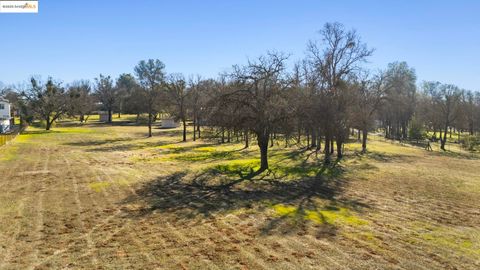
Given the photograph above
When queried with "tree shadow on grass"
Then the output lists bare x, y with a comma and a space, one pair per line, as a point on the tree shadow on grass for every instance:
118, 123
132, 143
99, 142
109, 145
125, 146
294, 203
39, 132
459, 155
384, 157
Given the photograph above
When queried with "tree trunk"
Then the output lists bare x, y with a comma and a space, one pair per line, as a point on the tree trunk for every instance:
364, 140
299, 135
339, 149
319, 141
327, 150
149, 124
314, 139
109, 116
444, 140
194, 130
397, 132
263, 145
198, 128
48, 124
246, 139
308, 139
184, 129
223, 135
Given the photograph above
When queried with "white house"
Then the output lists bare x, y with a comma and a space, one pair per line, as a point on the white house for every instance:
169, 123
5, 115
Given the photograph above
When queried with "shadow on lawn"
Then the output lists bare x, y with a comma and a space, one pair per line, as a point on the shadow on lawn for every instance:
99, 142
133, 143
39, 132
118, 144
118, 123
384, 157
197, 197
459, 155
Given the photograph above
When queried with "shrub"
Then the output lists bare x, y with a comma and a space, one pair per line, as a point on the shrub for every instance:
416, 131
471, 142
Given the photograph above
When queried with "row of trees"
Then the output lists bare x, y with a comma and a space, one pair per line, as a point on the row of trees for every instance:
318, 104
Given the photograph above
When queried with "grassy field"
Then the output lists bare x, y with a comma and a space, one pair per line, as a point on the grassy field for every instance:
107, 197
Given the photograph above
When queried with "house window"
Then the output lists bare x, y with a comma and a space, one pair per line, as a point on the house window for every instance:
2, 106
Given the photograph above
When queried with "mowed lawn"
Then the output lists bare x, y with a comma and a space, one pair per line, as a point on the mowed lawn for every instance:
107, 197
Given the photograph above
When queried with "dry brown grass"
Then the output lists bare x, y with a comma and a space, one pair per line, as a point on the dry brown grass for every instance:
106, 197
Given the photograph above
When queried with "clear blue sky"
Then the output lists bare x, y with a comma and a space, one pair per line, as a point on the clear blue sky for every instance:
79, 39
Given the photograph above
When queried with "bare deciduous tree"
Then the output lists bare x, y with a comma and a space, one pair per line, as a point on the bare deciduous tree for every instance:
257, 99
151, 75
80, 100
48, 100
334, 58
446, 100
370, 94
177, 90
106, 94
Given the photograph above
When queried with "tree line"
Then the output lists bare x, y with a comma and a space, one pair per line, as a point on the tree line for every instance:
319, 102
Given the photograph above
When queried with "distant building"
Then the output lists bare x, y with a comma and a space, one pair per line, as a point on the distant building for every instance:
169, 123
103, 116
5, 115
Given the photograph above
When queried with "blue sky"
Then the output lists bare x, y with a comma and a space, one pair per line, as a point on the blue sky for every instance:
79, 39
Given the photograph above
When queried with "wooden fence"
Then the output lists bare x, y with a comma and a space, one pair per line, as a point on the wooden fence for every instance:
5, 138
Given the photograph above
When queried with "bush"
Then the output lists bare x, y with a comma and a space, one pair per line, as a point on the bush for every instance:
471, 142
416, 131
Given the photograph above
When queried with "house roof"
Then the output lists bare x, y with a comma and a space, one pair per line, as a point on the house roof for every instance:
2, 99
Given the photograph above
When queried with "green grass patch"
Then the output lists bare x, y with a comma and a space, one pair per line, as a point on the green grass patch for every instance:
328, 215
234, 167
462, 241
171, 146
99, 186
75, 130
8, 153
207, 149
205, 156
